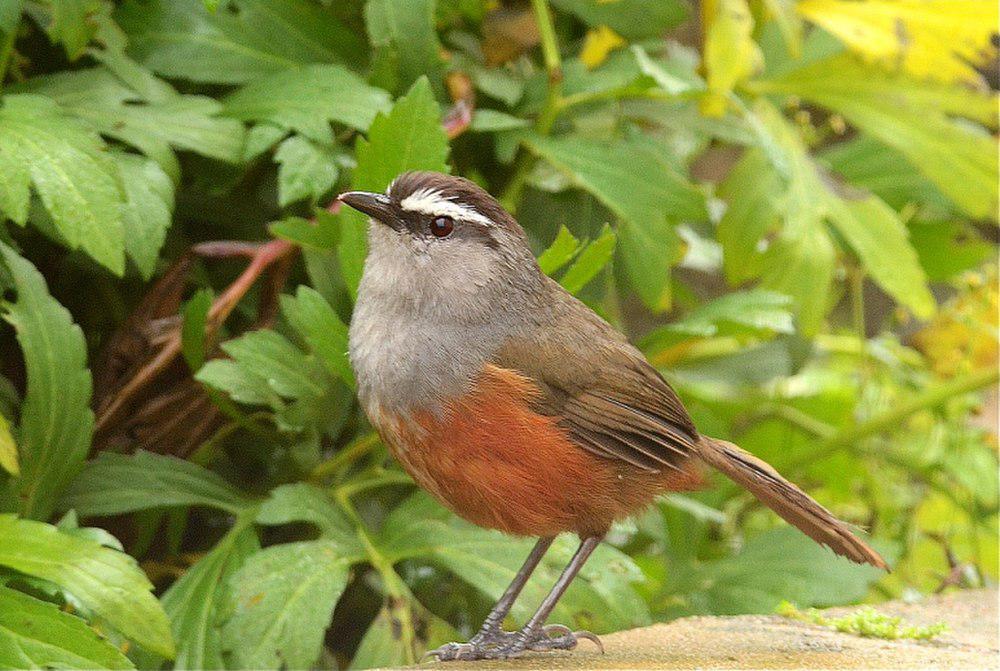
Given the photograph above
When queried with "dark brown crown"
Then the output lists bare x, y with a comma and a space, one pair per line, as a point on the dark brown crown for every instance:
456, 189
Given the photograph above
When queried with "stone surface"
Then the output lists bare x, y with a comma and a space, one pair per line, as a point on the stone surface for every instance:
772, 642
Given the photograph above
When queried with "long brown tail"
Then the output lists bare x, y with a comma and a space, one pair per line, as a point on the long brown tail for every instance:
784, 498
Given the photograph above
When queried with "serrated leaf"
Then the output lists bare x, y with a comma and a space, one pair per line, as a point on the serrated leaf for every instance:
8, 449
601, 599
76, 181
302, 502
133, 106
324, 332
306, 170
279, 362
751, 311
195, 602
560, 252
240, 383
148, 209
881, 241
640, 188
910, 117
35, 634
249, 38
591, 260
107, 582
408, 29
113, 484
409, 137
55, 420
283, 598
942, 39
307, 99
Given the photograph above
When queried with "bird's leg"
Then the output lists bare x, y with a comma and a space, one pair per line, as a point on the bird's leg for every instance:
491, 638
535, 635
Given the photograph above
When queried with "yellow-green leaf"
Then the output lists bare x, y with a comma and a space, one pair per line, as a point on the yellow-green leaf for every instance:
942, 39
731, 55
8, 449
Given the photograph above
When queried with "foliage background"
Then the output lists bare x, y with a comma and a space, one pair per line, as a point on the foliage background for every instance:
790, 206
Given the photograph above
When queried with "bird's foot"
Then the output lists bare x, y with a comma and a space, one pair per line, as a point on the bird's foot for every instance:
549, 637
497, 644
487, 644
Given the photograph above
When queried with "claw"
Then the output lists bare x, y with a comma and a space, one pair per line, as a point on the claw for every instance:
590, 636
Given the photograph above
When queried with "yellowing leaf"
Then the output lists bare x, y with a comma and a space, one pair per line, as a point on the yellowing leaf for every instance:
942, 39
8, 449
731, 55
598, 43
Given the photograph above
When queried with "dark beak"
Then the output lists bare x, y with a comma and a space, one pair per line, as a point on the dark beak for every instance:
376, 205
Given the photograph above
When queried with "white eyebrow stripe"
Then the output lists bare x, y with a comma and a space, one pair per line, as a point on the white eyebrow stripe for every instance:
432, 203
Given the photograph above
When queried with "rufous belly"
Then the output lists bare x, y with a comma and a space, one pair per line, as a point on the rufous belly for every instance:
494, 461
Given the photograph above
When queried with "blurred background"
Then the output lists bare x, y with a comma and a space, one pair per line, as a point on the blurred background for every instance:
790, 207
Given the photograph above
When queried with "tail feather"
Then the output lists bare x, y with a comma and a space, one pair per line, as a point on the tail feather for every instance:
784, 498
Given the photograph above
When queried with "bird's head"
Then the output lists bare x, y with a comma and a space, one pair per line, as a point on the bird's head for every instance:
442, 237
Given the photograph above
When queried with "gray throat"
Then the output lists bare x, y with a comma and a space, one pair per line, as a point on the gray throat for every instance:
424, 325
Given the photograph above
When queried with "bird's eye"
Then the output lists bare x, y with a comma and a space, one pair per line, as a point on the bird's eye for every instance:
441, 227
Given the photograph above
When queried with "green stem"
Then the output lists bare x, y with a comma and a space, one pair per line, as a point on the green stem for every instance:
383, 479
793, 416
930, 398
346, 456
553, 104
398, 593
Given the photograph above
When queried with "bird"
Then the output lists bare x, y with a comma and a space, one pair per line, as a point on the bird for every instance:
515, 405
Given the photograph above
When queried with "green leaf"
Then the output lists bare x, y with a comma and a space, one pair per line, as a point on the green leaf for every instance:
133, 106
239, 382
283, 600
107, 582
560, 252
307, 99
56, 421
381, 646
407, 28
780, 564
753, 311
35, 634
10, 15
278, 361
193, 328
632, 19
8, 449
306, 170
195, 603
70, 25
148, 209
591, 260
113, 484
646, 253
881, 241
324, 332
322, 234
248, 38
911, 117
752, 191
302, 502
601, 599
487, 120
640, 188
77, 182
409, 137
